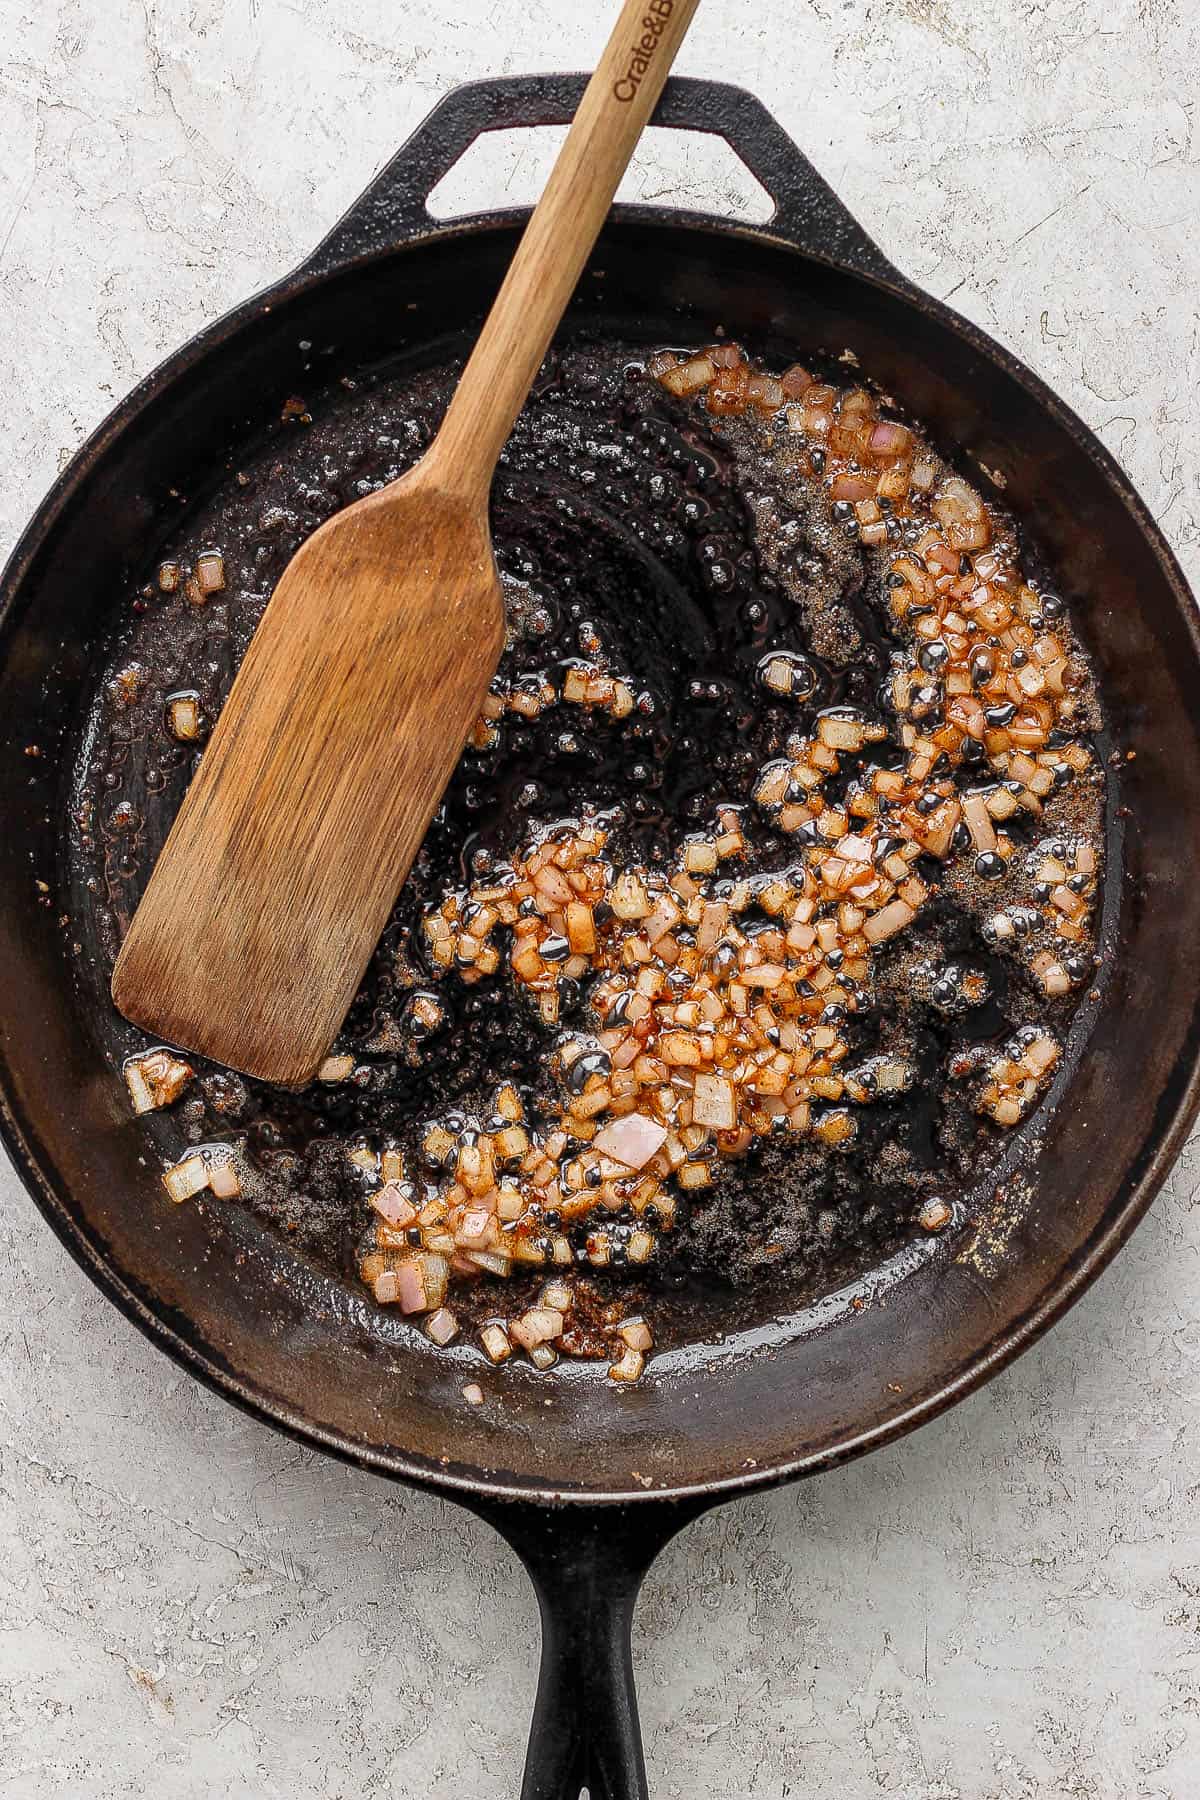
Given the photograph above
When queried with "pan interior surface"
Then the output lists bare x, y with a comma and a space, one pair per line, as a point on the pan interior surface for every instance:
275, 1329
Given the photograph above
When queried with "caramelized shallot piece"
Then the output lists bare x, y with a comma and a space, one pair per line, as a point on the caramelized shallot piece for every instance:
156, 1079
224, 1180
632, 1140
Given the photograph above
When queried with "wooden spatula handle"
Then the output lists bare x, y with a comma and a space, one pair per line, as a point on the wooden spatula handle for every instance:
559, 238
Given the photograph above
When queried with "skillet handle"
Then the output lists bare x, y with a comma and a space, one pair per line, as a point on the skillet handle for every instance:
392, 211
587, 1567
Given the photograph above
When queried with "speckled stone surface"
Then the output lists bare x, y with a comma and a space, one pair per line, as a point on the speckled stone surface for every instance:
1004, 1607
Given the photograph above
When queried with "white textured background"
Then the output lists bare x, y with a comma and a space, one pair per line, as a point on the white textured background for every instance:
1005, 1607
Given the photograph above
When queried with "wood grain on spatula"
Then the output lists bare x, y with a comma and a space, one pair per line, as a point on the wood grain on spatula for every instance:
368, 670
329, 760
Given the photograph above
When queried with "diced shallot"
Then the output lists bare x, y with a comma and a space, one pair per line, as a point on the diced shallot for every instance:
636, 1334
961, 514
417, 1284
538, 1326
888, 921
495, 1341
714, 1103
889, 439
184, 717
630, 1366
224, 1180
978, 821
632, 1140
934, 1215
156, 1079
851, 487
210, 572
336, 1068
187, 1178
442, 1326
394, 1205
689, 377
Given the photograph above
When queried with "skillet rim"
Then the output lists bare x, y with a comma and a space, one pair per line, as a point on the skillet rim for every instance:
480, 1488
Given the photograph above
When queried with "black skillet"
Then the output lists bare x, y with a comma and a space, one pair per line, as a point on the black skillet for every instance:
589, 1489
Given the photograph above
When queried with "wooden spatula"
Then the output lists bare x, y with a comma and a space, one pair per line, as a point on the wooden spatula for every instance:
368, 670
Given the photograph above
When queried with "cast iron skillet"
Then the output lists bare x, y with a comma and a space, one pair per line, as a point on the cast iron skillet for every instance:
589, 1489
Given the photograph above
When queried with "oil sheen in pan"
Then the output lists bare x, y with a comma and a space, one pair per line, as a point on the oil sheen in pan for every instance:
629, 525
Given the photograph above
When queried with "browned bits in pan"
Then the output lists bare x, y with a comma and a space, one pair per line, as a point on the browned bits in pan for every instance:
866, 848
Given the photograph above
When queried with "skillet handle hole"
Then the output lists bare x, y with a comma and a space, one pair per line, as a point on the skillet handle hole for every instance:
689, 170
